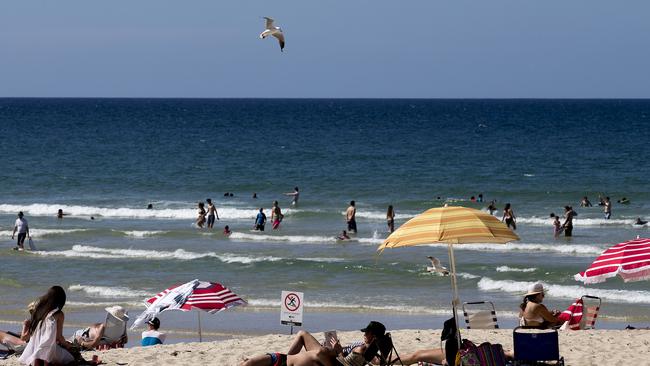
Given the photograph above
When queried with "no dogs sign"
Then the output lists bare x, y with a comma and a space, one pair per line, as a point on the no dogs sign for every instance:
291, 305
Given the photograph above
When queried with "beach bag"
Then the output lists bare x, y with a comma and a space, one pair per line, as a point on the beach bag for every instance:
467, 355
485, 354
490, 354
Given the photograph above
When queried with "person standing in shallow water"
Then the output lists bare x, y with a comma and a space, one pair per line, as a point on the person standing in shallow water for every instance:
200, 220
569, 214
212, 212
608, 208
23, 231
509, 217
276, 215
295, 194
350, 216
390, 218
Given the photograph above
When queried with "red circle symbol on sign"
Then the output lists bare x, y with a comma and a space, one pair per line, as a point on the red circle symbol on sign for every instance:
292, 302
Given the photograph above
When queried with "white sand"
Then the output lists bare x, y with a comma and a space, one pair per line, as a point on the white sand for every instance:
591, 347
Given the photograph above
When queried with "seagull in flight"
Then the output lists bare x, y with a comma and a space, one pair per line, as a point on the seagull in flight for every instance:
437, 267
272, 30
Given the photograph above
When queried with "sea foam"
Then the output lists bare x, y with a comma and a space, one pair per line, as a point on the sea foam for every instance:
189, 213
566, 291
109, 292
85, 251
43, 232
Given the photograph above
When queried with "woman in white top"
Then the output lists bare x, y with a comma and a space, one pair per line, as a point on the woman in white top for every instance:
46, 344
533, 313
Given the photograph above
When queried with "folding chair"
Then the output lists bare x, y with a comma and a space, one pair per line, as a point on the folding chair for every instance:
384, 350
480, 315
590, 311
115, 335
532, 345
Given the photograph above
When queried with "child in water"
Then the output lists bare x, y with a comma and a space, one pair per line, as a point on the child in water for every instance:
343, 236
557, 226
226, 231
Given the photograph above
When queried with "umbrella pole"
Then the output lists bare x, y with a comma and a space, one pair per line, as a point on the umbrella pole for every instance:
454, 286
198, 312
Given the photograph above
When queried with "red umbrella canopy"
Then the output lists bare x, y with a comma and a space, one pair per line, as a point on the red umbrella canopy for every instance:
630, 260
207, 296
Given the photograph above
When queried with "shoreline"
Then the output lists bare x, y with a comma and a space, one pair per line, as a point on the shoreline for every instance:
590, 347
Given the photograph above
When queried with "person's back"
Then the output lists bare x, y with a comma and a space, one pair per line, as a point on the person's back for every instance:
152, 336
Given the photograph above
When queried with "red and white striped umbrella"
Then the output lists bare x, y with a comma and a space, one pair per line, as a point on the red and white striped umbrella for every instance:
630, 260
207, 296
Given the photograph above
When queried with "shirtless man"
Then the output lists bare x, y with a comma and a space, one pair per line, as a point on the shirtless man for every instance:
212, 212
569, 214
295, 194
608, 208
350, 217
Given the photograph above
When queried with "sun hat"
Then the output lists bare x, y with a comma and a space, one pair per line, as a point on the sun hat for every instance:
534, 289
375, 328
118, 312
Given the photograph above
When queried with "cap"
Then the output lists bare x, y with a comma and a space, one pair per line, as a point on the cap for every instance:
155, 322
375, 328
534, 289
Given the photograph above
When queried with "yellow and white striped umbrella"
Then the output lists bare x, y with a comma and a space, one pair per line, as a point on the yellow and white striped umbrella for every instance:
451, 225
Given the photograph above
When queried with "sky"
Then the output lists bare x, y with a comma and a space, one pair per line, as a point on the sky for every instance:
334, 49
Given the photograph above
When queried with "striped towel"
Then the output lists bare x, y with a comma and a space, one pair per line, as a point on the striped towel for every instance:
572, 315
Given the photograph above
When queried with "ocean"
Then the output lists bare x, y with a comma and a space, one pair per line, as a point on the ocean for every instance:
109, 158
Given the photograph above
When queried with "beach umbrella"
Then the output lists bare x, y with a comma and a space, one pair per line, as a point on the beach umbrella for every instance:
630, 260
451, 225
198, 295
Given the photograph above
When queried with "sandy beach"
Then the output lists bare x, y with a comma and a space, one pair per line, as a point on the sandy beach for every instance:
592, 347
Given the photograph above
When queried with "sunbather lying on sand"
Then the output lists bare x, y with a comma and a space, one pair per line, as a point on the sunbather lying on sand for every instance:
15, 342
316, 354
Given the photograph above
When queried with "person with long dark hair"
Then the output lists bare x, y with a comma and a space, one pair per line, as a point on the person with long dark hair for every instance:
509, 217
46, 344
390, 218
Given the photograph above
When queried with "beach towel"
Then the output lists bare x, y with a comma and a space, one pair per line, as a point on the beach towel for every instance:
174, 299
572, 316
42, 344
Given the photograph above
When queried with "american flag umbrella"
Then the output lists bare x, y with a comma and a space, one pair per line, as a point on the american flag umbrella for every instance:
211, 297
630, 260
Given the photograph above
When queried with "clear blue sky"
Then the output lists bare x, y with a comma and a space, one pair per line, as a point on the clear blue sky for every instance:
336, 48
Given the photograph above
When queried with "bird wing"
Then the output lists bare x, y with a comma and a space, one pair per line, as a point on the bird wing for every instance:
280, 37
265, 34
269, 23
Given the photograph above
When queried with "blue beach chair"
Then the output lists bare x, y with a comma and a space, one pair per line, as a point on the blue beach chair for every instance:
534, 345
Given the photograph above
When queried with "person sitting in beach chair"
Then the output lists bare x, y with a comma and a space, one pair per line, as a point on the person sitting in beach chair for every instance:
110, 334
534, 313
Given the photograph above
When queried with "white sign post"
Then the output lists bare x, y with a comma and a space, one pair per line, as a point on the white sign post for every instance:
291, 306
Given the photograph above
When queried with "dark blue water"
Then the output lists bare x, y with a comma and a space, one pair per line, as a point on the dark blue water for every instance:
109, 158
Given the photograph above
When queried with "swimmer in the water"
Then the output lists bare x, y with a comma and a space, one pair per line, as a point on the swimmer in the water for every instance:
226, 230
623, 201
640, 222
343, 236
60, 214
150, 206
585, 202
